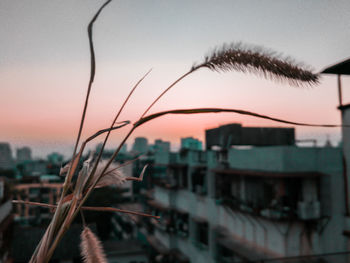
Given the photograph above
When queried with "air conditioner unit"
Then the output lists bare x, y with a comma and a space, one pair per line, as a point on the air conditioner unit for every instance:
309, 210
199, 189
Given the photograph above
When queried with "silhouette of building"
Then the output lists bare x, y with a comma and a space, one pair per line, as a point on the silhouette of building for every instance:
191, 143
6, 160
234, 134
23, 154
55, 158
33, 168
140, 145
6, 220
161, 151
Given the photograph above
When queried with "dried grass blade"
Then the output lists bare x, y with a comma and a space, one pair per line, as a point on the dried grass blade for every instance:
89, 208
140, 178
217, 110
124, 123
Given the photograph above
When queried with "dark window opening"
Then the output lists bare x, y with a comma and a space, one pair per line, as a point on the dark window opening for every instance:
202, 234
199, 185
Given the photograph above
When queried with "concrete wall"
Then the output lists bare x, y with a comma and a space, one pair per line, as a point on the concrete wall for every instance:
276, 238
286, 159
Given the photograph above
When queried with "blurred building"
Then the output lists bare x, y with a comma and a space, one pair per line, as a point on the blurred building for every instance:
43, 189
55, 158
191, 143
33, 167
248, 204
161, 151
6, 160
234, 134
23, 154
140, 145
6, 219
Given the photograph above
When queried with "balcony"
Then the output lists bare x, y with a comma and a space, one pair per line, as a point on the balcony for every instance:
175, 179
173, 221
270, 195
309, 210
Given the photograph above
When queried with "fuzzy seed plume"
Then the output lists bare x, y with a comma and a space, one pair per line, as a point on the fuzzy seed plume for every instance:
91, 248
113, 175
254, 59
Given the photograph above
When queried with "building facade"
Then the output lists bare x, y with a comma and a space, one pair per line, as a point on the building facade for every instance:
23, 154
249, 205
6, 160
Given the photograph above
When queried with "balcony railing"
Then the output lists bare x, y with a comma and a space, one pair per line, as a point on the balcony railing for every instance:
284, 212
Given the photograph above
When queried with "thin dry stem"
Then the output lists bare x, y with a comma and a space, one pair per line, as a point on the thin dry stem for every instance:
253, 59
217, 110
115, 119
87, 208
140, 178
72, 167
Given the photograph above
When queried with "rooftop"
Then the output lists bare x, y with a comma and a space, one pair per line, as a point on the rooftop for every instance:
340, 68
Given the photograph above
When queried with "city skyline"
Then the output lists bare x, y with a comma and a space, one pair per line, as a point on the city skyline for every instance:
46, 63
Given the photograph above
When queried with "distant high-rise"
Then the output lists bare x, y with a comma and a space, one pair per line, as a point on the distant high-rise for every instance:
55, 158
191, 143
6, 161
161, 151
140, 145
23, 154
124, 149
160, 145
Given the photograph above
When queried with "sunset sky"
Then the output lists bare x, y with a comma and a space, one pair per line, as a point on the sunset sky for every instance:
44, 66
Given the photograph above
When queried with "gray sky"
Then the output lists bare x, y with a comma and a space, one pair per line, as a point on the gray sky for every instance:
44, 64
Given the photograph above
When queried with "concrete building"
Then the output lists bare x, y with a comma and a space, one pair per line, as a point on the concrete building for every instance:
55, 158
23, 154
43, 190
339, 69
250, 205
140, 145
191, 144
234, 134
161, 151
6, 160
33, 167
6, 220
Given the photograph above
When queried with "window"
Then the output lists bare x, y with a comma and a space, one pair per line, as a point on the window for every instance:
182, 224
199, 185
201, 234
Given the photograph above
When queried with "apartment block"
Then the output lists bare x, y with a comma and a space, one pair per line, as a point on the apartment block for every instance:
246, 205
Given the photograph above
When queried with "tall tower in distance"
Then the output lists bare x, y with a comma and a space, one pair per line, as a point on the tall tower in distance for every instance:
140, 145
23, 154
6, 160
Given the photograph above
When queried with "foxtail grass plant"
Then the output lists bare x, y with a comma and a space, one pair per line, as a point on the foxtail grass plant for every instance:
96, 173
